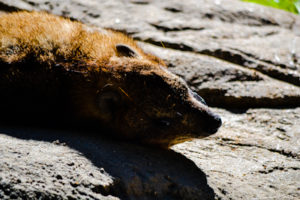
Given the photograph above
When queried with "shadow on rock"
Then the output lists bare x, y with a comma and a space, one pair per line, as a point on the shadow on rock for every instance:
138, 172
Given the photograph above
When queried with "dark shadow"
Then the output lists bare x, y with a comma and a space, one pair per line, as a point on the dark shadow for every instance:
125, 161
8, 8
237, 110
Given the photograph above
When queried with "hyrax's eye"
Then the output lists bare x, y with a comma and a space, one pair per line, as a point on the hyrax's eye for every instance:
108, 103
126, 51
162, 123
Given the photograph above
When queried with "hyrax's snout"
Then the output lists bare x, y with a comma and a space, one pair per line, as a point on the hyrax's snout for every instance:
209, 121
213, 123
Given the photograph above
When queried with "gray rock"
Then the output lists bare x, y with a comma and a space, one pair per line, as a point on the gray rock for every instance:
42, 170
242, 58
39, 164
255, 155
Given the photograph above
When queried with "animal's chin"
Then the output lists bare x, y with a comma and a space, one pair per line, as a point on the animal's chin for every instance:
188, 137
169, 141
179, 140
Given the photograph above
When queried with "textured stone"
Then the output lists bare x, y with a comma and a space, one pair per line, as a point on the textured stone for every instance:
255, 155
42, 170
53, 164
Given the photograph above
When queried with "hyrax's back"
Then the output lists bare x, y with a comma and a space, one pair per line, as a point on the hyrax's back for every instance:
34, 32
56, 70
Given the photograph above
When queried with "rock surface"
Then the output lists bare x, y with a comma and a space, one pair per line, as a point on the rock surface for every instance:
62, 165
243, 58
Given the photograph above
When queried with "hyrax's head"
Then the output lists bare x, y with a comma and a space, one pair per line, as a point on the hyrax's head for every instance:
141, 100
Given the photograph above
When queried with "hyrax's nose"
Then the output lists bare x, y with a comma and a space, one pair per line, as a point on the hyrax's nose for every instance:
213, 123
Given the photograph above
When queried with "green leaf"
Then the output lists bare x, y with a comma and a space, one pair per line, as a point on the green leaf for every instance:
288, 5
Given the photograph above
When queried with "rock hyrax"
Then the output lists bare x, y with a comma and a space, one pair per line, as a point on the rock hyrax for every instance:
56, 70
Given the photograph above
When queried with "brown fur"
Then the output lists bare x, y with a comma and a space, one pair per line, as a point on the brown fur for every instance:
55, 68
53, 37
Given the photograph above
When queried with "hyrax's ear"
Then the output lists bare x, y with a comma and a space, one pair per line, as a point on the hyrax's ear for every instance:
126, 51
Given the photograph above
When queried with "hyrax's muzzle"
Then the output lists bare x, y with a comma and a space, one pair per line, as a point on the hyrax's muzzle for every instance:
197, 119
210, 121
183, 111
